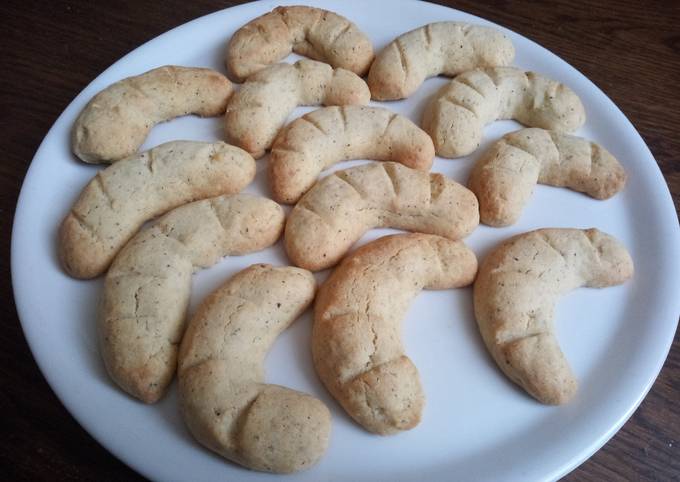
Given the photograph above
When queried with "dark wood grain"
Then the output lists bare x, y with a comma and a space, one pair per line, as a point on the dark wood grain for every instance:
51, 49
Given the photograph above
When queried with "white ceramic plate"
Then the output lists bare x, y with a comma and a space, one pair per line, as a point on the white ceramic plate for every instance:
476, 424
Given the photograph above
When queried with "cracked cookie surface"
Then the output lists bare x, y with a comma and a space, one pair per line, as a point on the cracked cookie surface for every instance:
504, 177
340, 208
147, 288
224, 399
356, 338
321, 138
440, 48
258, 110
122, 197
313, 32
515, 293
456, 115
116, 122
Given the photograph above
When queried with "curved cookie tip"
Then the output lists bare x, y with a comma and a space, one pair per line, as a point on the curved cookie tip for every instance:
284, 431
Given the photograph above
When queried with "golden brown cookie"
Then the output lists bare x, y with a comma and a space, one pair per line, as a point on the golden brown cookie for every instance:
147, 288
440, 48
356, 340
316, 141
456, 115
119, 199
504, 177
115, 123
515, 294
258, 110
223, 397
341, 207
312, 32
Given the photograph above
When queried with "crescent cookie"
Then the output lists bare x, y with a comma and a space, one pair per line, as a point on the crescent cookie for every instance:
147, 288
447, 48
456, 115
356, 340
515, 293
115, 123
260, 108
341, 207
223, 397
504, 177
319, 139
122, 197
312, 32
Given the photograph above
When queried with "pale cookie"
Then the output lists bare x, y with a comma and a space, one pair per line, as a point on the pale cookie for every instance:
515, 293
340, 208
316, 141
312, 32
456, 115
223, 397
119, 199
504, 177
260, 108
356, 339
115, 123
147, 288
440, 48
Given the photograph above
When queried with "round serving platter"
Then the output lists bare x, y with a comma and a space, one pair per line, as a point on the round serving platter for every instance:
476, 424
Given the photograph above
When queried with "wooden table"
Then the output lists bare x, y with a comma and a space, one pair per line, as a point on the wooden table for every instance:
53, 49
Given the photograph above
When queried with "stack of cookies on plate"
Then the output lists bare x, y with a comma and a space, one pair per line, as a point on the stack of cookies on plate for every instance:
192, 191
